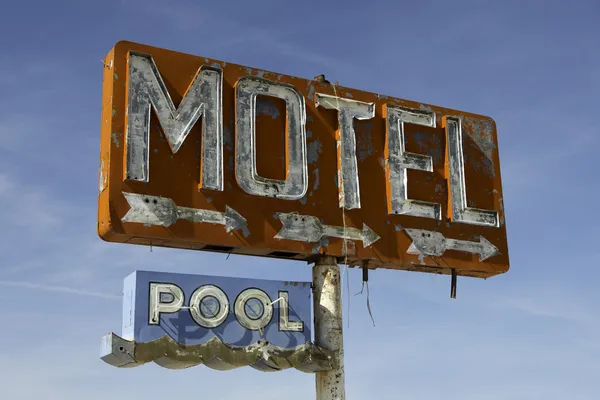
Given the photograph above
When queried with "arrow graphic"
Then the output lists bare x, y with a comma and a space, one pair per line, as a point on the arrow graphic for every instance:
162, 211
306, 228
430, 243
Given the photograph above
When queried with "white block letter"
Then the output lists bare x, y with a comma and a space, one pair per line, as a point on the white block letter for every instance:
209, 306
398, 160
295, 186
348, 110
165, 298
459, 212
284, 315
203, 98
253, 309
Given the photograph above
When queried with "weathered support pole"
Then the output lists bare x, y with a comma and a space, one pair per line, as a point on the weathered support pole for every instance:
327, 297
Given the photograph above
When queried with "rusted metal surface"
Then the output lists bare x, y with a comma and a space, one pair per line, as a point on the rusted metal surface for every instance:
214, 354
230, 152
327, 300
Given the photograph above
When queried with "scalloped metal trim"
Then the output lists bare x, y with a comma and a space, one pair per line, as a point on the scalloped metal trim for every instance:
215, 354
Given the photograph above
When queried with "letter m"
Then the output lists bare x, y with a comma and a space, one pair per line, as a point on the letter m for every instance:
147, 90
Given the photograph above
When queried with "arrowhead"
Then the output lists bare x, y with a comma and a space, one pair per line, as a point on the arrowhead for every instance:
369, 236
235, 221
426, 243
150, 210
487, 249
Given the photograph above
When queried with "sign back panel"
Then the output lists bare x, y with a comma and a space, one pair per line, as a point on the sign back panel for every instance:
202, 154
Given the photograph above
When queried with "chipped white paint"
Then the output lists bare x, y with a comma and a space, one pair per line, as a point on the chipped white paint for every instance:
398, 160
348, 110
157, 305
215, 354
327, 300
458, 190
261, 315
162, 211
202, 317
306, 228
431, 243
147, 90
102, 176
295, 186
284, 315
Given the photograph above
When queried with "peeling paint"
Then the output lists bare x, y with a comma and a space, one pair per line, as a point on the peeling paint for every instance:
102, 176
429, 144
481, 131
461, 212
310, 229
147, 91
115, 138
347, 112
424, 107
295, 186
317, 176
215, 354
431, 243
365, 144
266, 106
162, 211
398, 160
313, 150
323, 243
311, 92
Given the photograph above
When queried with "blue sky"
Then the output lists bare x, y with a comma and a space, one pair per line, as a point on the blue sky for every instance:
534, 66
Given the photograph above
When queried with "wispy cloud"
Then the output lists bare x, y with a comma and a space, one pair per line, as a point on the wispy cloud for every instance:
562, 306
28, 207
522, 168
60, 289
222, 32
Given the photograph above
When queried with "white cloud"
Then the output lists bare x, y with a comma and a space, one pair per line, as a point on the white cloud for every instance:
29, 208
61, 289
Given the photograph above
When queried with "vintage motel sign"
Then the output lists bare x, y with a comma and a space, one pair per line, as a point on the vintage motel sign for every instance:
180, 320
201, 154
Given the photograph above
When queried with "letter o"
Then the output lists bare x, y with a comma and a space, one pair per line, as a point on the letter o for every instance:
240, 309
195, 303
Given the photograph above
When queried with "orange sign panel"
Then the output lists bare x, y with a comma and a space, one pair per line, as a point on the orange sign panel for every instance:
201, 154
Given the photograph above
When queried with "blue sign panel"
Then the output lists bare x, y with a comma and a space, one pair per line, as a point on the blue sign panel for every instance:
192, 309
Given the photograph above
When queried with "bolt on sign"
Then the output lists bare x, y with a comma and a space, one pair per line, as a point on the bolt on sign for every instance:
202, 154
179, 320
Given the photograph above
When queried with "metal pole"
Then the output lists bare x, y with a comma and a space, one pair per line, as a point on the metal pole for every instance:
327, 297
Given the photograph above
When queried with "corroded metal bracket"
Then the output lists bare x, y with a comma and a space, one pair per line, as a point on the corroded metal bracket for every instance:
215, 354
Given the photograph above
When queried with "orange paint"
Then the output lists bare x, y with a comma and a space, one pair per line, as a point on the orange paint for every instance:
176, 176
